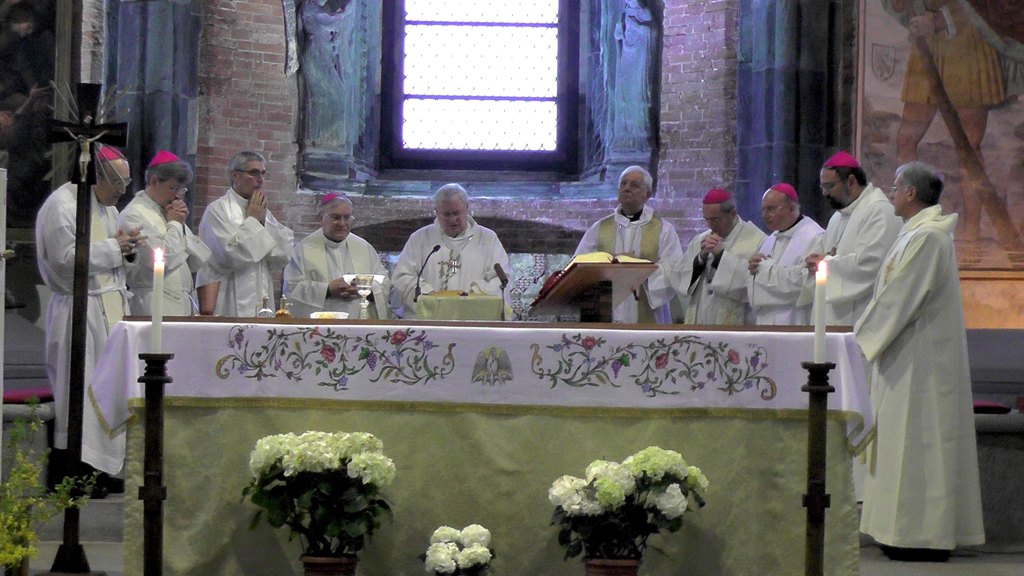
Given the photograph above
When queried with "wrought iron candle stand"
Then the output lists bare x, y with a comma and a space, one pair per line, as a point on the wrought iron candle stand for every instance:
153, 492
816, 500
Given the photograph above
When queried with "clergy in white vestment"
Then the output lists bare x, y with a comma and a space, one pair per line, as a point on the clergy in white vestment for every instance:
108, 296
778, 270
923, 498
454, 253
634, 230
313, 279
857, 237
247, 242
713, 274
160, 211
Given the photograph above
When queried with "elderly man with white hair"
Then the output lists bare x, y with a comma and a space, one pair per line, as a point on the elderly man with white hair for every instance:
452, 253
314, 277
778, 270
634, 230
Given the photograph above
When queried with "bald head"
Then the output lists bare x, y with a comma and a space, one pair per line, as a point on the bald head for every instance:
779, 211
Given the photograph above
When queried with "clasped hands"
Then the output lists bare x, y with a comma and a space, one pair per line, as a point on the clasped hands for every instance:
127, 239
711, 245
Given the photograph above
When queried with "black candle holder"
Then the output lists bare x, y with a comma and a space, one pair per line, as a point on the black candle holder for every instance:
153, 492
816, 500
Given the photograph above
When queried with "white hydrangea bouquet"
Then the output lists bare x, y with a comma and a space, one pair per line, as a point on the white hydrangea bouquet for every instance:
612, 512
463, 552
324, 486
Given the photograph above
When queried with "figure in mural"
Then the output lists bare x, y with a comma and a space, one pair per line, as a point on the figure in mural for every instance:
327, 63
973, 72
637, 38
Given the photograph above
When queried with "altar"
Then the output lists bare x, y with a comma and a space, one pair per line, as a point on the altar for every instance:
480, 419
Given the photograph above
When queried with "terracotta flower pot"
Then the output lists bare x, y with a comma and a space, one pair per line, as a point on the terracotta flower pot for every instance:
600, 567
329, 566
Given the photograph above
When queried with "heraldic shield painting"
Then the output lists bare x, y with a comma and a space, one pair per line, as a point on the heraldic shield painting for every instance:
972, 129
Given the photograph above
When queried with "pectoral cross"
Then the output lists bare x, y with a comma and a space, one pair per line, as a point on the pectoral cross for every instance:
85, 130
448, 269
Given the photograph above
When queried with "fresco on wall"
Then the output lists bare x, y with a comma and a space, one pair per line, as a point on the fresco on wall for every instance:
978, 50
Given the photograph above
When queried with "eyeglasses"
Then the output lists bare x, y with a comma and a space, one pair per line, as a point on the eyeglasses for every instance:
255, 172
828, 186
113, 177
179, 190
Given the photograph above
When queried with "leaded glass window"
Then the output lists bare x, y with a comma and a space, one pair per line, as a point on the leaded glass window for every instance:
485, 82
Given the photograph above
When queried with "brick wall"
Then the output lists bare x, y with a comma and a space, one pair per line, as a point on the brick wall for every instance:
246, 101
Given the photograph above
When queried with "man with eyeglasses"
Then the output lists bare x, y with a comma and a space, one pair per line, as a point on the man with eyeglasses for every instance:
160, 211
634, 230
313, 277
858, 235
922, 497
246, 241
109, 248
454, 253
712, 276
778, 271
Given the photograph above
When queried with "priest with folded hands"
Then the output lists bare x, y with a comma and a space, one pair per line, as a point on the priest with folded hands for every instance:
713, 273
315, 277
634, 230
452, 254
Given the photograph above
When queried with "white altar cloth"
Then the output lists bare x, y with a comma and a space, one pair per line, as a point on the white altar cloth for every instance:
573, 365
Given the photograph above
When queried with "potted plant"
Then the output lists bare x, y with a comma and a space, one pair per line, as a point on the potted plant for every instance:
25, 501
608, 516
326, 488
463, 552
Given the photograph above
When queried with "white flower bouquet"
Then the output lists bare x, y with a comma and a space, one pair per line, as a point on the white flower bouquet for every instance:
324, 486
463, 552
612, 512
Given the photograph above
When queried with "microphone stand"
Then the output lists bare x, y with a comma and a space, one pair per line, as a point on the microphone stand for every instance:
419, 275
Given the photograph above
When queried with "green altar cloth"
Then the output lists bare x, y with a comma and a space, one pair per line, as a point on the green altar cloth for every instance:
493, 465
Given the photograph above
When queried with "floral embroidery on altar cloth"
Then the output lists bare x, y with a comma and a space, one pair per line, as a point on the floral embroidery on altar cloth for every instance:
655, 367
330, 357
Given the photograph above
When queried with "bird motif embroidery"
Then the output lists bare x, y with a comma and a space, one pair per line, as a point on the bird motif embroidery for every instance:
492, 367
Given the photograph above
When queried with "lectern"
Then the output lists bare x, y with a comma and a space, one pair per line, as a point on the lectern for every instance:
592, 288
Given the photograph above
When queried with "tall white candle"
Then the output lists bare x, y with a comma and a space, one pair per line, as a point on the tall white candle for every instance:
820, 279
157, 301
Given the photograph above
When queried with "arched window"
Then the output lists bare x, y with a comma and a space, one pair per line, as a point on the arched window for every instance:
489, 85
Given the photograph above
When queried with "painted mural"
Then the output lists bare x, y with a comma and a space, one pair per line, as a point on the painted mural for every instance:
972, 129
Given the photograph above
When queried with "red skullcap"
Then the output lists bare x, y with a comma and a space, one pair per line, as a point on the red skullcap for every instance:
163, 157
108, 154
328, 198
786, 189
717, 196
842, 159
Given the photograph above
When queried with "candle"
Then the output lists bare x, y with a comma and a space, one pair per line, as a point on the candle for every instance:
820, 279
157, 301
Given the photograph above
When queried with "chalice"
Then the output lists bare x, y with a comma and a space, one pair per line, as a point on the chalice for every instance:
364, 287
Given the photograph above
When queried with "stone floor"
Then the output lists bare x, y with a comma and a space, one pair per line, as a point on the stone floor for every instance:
102, 529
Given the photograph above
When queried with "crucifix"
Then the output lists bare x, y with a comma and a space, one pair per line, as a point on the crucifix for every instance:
86, 131
448, 269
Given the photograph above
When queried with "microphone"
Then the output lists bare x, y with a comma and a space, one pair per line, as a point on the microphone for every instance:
420, 274
503, 278
501, 275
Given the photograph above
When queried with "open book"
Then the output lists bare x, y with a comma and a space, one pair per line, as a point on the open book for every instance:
604, 257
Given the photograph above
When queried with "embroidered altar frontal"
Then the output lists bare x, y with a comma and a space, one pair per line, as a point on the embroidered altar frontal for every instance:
557, 365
